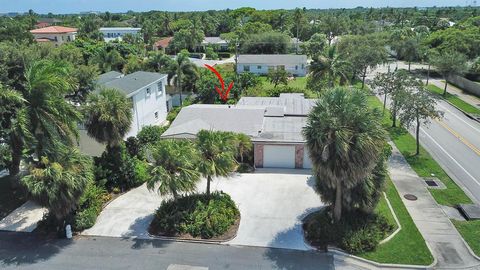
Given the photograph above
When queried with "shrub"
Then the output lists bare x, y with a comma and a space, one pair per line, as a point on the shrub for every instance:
141, 173
196, 215
150, 134
223, 55
133, 146
89, 207
276, 91
359, 233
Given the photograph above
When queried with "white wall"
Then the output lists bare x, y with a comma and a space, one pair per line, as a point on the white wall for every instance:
145, 106
117, 33
262, 69
61, 38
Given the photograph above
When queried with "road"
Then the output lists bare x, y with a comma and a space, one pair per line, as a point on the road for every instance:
26, 251
454, 142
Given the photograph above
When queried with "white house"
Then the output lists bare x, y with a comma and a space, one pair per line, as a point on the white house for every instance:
261, 63
216, 42
117, 33
147, 93
55, 34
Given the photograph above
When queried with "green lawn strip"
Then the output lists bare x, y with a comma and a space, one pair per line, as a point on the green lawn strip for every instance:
424, 165
407, 246
470, 231
10, 198
383, 210
462, 105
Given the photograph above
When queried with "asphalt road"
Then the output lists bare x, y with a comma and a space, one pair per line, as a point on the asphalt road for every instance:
27, 251
454, 142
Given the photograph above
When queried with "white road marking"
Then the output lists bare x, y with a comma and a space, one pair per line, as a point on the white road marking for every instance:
478, 130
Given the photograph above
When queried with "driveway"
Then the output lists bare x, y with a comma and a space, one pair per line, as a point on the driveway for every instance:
272, 204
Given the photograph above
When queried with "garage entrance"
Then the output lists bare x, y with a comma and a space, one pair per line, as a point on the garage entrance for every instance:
279, 156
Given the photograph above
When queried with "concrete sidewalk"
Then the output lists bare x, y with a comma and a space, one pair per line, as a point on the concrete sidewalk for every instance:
441, 235
24, 218
470, 99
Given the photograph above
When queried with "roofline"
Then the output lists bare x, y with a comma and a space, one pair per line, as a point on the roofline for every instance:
138, 90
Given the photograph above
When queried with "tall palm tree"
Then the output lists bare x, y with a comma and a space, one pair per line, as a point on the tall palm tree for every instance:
331, 67
173, 167
345, 139
57, 182
108, 116
243, 144
51, 119
217, 150
182, 67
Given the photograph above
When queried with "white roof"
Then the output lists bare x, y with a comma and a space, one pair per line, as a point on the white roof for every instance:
273, 59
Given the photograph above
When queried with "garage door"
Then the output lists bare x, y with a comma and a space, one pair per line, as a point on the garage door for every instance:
278, 156
307, 162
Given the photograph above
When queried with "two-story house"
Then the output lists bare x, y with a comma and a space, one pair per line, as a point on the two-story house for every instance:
117, 33
55, 34
146, 90
261, 64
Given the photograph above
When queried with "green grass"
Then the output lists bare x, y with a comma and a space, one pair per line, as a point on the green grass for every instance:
298, 82
10, 198
470, 231
383, 210
407, 246
424, 165
462, 105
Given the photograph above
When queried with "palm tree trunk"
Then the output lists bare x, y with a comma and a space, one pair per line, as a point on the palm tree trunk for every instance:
364, 75
16, 148
394, 115
179, 83
337, 210
445, 88
417, 133
384, 103
409, 63
428, 73
209, 179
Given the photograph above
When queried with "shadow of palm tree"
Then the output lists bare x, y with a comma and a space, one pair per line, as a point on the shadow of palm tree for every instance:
28, 248
138, 234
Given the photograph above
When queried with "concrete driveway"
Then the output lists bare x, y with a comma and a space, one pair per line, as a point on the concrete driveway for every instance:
272, 203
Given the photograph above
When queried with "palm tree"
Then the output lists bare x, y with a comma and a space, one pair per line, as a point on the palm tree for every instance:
57, 182
216, 149
182, 66
51, 119
330, 67
174, 167
345, 139
108, 60
108, 116
243, 144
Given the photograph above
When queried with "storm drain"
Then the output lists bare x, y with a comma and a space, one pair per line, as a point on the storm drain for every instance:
434, 183
410, 197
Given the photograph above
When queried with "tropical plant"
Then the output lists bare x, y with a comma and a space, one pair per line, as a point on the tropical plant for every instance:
345, 140
449, 63
182, 67
57, 182
217, 150
278, 76
108, 116
330, 67
244, 145
173, 167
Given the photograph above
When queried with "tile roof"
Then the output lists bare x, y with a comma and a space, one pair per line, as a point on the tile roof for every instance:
54, 30
163, 43
273, 59
134, 81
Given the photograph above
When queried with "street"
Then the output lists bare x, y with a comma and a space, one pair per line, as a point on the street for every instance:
453, 141
27, 251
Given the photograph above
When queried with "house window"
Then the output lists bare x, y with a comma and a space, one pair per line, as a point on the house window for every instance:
160, 89
156, 115
56, 39
148, 92
303, 66
259, 67
246, 68
68, 38
296, 67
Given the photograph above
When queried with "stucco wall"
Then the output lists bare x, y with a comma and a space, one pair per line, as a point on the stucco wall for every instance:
467, 85
262, 69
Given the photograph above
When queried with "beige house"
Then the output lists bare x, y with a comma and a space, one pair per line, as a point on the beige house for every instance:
55, 34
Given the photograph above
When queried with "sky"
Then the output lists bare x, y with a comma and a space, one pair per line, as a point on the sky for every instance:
76, 6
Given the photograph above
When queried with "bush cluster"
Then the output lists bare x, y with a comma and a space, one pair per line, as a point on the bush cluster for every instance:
196, 215
276, 91
89, 207
359, 233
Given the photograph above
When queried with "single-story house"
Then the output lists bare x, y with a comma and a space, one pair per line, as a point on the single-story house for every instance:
147, 92
55, 34
117, 33
261, 64
273, 123
215, 42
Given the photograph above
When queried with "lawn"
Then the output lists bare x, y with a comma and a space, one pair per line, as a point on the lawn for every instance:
470, 230
265, 88
408, 246
462, 105
10, 198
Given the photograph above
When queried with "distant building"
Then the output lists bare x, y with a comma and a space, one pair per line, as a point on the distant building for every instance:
117, 33
46, 22
55, 34
147, 93
261, 64
215, 42
162, 44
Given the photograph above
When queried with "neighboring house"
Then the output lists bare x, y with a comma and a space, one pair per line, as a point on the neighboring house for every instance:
216, 42
162, 44
117, 33
296, 44
262, 63
273, 123
55, 34
45, 22
147, 93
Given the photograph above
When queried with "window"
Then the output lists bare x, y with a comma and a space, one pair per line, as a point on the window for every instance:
246, 68
156, 115
259, 67
303, 66
56, 39
160, 89
296, 67
148, 92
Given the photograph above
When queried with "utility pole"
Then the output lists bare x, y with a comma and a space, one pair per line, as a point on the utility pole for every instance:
237, 44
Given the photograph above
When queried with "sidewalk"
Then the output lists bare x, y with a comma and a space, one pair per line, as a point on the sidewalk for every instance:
24, 218
440, 234
470, 99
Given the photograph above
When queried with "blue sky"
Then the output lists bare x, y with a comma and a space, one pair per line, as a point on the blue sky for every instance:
69, 6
